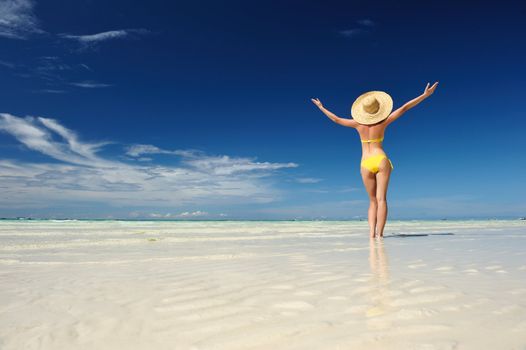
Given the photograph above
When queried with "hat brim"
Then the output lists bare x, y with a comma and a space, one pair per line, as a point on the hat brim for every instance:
362, 117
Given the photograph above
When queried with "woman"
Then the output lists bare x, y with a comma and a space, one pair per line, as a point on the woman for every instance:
371, 114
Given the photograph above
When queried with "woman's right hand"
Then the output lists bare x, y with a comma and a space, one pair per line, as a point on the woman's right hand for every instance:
317, 102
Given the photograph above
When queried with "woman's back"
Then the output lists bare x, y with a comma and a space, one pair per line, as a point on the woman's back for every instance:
371, 137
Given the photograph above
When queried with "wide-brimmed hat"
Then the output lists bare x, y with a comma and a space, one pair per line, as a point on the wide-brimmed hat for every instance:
372, 107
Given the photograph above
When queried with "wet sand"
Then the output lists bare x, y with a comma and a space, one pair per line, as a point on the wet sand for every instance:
262, 285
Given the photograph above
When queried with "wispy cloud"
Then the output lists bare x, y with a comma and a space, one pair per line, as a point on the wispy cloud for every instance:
50, 91
218, 165
364, 26
138, 150
352, 32
104, 36
187, 214
307, 180
51, 69
183, 215
79, 173
55, 74
89, 84
196, 214
86, 67
225, 165
7, 64
17, 19
366, 22
91, 40
36, 134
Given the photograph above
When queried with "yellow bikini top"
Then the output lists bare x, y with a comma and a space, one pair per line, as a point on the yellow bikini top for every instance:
373, 140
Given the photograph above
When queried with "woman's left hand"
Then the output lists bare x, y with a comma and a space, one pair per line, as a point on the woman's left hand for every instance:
429, 90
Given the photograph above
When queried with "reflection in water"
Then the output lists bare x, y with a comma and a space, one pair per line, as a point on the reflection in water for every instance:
379, 296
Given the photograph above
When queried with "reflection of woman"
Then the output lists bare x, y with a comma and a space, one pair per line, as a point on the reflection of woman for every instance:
380, 270
371, 115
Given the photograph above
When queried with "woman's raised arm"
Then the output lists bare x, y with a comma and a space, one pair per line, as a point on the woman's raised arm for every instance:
397, 113
342, 121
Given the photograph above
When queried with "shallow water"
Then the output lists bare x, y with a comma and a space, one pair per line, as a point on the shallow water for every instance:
261, 284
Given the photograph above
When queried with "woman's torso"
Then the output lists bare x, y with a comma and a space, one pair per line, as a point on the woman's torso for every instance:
372, 132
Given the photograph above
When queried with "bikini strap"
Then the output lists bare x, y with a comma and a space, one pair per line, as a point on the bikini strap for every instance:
373, 140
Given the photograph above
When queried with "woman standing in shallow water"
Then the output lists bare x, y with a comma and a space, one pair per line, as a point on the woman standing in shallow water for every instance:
371, 114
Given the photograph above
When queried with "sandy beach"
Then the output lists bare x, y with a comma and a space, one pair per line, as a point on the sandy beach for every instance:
262, 285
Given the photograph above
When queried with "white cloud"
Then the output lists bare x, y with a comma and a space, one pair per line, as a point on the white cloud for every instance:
366, 22
7, 64
51, 74
350, 189
17, 20
307, 180
51, 70
82, 175
85, 66
183, 215
351, 32
51, 91
35, 134
112, 34
365, 26
139, 149
197, 214
88, 84
192, 214
217, 165
225, 165
94, 39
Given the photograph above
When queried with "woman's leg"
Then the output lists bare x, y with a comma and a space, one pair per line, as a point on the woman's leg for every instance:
382, 180
369, 180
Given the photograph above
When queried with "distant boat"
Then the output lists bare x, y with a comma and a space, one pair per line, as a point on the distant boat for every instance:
523, 218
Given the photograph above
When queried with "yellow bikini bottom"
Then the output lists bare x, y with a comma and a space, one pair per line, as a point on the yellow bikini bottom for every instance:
372, 163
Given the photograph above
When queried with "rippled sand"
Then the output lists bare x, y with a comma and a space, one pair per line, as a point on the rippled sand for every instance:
262, 285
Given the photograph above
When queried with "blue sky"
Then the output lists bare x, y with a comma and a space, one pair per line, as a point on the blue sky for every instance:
201, 110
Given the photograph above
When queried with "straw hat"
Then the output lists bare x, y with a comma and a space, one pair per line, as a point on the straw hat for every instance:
372, 107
